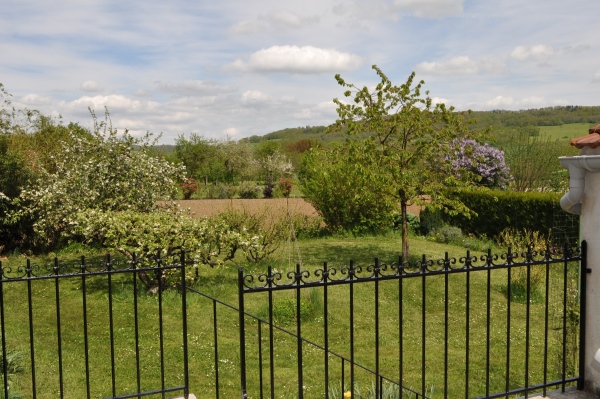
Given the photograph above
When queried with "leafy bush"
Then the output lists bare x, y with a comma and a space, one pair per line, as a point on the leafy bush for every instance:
285, 186
189, 187
345, 193
220, 191
249, 190
414, 222
447, 234
206, 241
267, 232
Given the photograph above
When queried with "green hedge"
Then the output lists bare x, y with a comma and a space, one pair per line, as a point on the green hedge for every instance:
497, 210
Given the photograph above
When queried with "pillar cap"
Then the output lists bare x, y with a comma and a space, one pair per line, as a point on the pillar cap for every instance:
592, 140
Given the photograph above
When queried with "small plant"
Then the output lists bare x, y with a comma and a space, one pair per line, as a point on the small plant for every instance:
13, 368
388, 391
447, 234
285, 185
520, 241
189, 187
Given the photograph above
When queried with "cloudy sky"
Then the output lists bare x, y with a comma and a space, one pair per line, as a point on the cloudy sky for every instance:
235, 68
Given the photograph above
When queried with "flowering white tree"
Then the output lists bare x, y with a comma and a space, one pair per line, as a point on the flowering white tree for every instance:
101, 171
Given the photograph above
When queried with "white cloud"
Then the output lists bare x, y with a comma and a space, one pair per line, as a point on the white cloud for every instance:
509, 102
90, 86
430, 8
35, 100
294, 59
284, 19
194, 88
231, 131
461, 65
278, 20
254, 97
539, 53
596, 78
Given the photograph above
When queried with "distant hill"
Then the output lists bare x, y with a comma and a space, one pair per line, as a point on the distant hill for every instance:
500, 122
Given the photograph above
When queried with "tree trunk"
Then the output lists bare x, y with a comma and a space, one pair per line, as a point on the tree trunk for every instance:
405, 253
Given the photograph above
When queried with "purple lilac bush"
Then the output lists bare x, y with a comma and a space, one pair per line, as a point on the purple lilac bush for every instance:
483, 161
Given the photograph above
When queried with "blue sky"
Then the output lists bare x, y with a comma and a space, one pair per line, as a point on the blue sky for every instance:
238, 68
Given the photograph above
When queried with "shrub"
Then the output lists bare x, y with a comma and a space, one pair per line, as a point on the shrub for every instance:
414, 222
143, 235
103, 171
520, 241
497, 210
189, 187
220, 191
482, 161
447, 234
266, 231
248, 190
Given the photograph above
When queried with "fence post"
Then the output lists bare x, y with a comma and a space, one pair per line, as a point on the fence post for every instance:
242, 332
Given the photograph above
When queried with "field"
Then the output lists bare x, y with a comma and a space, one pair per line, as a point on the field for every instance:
275, 206
565, 132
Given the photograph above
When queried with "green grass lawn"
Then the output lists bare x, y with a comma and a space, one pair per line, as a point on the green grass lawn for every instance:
221, 283
565, 132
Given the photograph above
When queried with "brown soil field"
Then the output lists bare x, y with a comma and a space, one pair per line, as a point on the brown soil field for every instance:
209, 207
297, 206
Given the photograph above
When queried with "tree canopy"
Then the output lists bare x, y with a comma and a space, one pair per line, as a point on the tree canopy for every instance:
407, 137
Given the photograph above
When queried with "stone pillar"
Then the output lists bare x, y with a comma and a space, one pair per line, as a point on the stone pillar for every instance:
586, 166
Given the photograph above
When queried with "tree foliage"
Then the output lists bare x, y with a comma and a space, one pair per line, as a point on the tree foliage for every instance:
210, 160
407, 134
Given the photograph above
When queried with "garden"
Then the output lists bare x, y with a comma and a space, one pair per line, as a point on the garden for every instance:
405, 170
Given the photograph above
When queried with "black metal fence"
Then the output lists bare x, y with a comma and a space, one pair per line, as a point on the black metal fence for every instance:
101, 344
489, 326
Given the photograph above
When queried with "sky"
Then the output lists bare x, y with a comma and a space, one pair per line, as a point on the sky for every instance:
230, 69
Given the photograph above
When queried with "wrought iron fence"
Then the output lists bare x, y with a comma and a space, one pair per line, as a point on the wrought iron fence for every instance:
102, 344
488, 326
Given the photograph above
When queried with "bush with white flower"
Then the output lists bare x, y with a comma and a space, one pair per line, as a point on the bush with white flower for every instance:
102, 171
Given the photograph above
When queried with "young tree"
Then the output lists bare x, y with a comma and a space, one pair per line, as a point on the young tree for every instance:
407, 134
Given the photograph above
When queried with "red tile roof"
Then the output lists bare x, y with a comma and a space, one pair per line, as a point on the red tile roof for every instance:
592, 140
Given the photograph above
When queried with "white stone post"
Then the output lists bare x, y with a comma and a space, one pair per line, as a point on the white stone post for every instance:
584, 198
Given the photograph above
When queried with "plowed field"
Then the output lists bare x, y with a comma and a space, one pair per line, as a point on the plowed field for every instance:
297, 206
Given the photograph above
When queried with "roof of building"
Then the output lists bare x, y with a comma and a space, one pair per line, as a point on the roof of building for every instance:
592, 140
